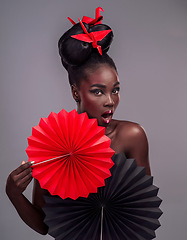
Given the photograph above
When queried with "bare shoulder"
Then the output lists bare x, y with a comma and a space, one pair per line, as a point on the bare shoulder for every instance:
130, 133
130, 138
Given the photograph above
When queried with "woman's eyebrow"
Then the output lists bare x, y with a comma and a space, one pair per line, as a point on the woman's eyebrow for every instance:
103, 86
98, 85
117, 83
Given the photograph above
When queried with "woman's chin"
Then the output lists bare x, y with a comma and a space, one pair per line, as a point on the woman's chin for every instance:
104, 122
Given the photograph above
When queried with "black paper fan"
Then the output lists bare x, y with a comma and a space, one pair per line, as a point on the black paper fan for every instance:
126, 208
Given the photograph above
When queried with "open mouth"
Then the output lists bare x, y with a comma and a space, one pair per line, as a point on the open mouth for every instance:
107, 116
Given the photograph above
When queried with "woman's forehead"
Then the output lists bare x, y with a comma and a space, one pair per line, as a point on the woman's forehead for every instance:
104, 74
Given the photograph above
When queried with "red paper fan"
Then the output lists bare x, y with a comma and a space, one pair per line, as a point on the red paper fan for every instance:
72, 154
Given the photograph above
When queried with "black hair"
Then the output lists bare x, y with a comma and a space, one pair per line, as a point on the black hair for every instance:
78, 56
78, 72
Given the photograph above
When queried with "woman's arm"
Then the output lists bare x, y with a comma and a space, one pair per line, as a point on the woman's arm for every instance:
31, 214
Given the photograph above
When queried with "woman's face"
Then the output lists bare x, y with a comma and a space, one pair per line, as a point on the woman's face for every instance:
99, 94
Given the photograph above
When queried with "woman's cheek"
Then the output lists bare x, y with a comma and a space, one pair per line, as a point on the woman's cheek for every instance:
117, 101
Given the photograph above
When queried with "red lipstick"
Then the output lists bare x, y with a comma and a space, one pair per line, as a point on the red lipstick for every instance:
107, 116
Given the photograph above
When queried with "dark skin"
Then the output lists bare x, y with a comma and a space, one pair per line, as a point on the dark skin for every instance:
98, 95
30, 213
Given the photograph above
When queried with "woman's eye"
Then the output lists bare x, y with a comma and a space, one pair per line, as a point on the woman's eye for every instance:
115, 90
97, 91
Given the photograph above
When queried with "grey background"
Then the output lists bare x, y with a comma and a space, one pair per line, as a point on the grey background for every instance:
150, 51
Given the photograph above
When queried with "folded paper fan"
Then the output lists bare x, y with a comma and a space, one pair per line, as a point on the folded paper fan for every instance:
72, 154
126, 208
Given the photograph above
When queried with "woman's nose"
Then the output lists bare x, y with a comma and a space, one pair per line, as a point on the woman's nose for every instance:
109, 101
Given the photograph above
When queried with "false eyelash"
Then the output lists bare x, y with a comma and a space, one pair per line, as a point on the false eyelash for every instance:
96, 91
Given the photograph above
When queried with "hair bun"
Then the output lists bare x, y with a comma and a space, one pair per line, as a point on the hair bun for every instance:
71, 50
107, 40
74, 51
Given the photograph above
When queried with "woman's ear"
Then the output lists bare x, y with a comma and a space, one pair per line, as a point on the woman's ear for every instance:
75, 93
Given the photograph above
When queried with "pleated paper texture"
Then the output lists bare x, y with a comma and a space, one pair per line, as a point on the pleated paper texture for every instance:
72, 154
127, 208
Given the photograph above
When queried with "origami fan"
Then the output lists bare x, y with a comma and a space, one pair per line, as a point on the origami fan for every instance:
127, 208
72, 154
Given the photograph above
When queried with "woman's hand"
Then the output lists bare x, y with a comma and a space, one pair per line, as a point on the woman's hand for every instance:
18, 180
31, 214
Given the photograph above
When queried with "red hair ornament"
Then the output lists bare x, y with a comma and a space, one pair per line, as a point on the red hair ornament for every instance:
77, 44
92, 37
91, 21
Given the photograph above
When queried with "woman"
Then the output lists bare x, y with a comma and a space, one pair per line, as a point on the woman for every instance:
95, 87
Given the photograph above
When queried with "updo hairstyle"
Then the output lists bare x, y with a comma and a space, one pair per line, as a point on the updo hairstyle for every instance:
78, 57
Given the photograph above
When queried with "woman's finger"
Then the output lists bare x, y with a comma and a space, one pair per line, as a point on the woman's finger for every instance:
24, 173
26, 183
16, 184
20, 182
26, 178
22, 167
